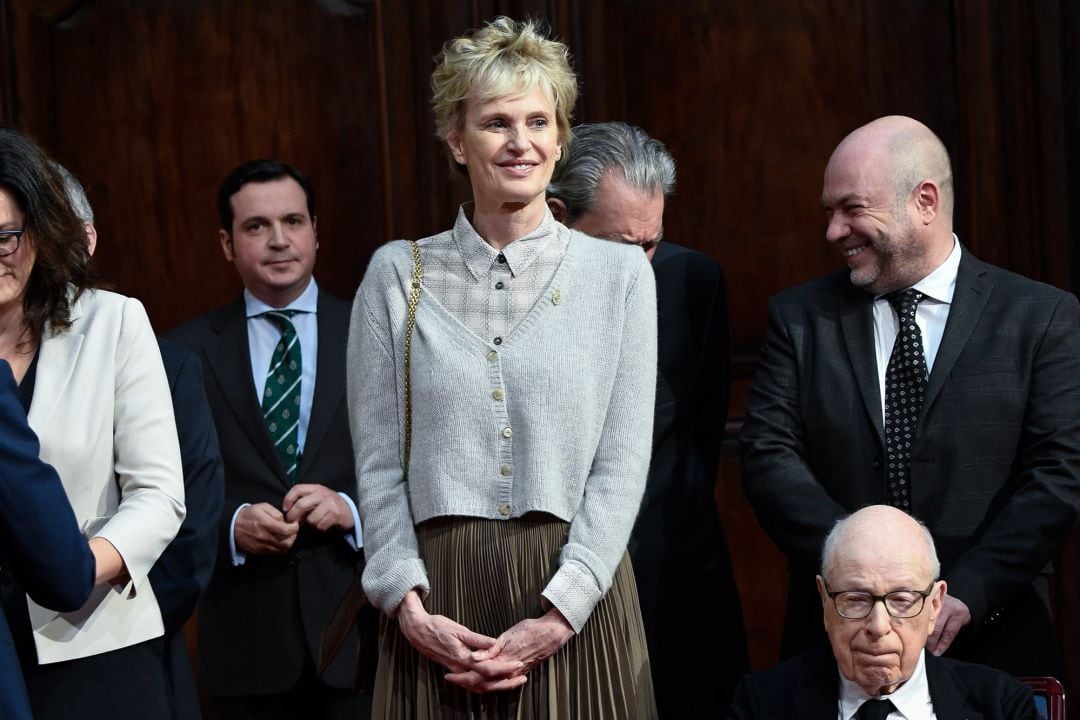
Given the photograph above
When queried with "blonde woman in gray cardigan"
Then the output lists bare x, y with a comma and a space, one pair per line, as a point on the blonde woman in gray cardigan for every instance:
500, 558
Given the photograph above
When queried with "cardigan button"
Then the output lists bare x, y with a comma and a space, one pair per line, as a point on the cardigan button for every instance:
505, 470
497, 393
492, 355
504, 509
507, 432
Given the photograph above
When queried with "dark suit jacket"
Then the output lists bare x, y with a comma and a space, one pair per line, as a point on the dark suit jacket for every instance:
677, 545
182, 573
260, 622
995, 464
808, 686
40, 541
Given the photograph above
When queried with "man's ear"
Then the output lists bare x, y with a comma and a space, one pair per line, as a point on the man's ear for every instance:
558, 208
226, 245
91, 237
315, 230
928, 201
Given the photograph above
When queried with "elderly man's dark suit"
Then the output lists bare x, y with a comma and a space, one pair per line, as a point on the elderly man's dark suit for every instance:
41, 546
995, 464
677, 546
807, 687
182, 573
260, 622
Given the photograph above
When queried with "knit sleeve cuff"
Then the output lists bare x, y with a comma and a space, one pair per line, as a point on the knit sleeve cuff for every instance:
387, 586
573, 590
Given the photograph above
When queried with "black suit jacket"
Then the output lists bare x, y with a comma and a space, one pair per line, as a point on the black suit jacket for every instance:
995, 464
260, 622
182, 573
807, 687
677, 545
40, 541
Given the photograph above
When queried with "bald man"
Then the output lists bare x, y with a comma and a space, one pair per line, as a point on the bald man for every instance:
968, 417
881, 600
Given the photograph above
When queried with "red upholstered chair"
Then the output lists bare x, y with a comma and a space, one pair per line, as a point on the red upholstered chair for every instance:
1049, 696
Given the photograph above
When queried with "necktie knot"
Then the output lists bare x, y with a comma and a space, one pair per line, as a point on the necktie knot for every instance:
905, 302
281, 318
875, 710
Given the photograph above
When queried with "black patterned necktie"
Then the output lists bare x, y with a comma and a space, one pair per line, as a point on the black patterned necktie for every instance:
281, 396
905, 387
875, 710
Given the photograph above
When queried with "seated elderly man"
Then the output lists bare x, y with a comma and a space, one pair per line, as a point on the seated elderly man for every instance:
880, 599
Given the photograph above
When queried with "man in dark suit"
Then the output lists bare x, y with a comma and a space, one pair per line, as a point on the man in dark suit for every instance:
290, 537
881, 599
613, 184
969, 416
180, 576
40, 542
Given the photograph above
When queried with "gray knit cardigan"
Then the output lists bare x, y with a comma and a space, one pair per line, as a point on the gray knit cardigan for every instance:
569, 432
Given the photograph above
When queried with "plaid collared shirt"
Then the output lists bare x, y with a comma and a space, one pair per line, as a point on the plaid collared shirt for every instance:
491, 292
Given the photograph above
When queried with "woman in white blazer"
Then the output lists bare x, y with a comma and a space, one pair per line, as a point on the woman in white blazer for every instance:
97, 396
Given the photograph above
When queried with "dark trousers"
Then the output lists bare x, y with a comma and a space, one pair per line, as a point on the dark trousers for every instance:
309, 699
125, 684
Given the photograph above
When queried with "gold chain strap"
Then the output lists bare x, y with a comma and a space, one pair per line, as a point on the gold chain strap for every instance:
414, 299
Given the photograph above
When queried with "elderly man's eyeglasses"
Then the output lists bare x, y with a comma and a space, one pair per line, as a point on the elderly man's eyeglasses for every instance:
9, 241
901, 604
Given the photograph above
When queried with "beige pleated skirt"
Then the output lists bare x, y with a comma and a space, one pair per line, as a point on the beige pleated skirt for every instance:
488, 575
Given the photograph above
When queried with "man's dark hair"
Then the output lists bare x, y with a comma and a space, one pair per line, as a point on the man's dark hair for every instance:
60, 272
258, 171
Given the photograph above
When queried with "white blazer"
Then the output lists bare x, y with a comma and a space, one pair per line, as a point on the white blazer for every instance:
104, 415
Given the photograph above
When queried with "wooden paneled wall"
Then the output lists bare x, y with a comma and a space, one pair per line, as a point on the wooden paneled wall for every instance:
151, 102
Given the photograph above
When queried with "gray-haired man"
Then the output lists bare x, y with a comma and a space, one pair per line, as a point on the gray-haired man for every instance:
613, 184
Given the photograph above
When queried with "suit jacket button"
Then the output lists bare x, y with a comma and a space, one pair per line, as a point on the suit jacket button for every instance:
877, 463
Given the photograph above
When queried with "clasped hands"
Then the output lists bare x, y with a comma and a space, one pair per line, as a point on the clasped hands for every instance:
477, 662
262, 529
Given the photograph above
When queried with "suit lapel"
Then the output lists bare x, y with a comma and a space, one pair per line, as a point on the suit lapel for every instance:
56, 363
229, 359
947, 694
857, 326
329, 378
969, 299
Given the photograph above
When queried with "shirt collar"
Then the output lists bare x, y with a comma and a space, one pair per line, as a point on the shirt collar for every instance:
941, 284
479, 257
912, 699
307, 302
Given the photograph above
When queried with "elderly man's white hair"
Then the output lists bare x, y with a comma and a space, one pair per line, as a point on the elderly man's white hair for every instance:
76, 195
836, 535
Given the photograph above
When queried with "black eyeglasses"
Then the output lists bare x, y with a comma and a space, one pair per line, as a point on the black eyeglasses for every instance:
9, 241
900, 604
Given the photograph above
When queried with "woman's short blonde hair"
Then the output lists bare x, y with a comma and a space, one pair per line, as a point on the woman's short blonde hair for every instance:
504, 57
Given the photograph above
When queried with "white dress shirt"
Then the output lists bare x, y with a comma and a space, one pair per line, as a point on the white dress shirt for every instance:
912, 699
263, 337
931, 316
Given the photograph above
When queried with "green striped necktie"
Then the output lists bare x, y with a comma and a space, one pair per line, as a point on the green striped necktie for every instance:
281, 398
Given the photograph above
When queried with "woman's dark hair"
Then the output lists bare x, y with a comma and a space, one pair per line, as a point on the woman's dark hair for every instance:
58, 237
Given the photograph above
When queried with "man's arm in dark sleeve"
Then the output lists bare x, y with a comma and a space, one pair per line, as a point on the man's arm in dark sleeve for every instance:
791, 504
181, 574
1045, 503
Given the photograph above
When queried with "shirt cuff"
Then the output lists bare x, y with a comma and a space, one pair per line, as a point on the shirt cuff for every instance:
238, 557
354, 537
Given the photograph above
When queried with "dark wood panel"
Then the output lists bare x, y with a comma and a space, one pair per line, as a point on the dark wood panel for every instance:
150, 104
